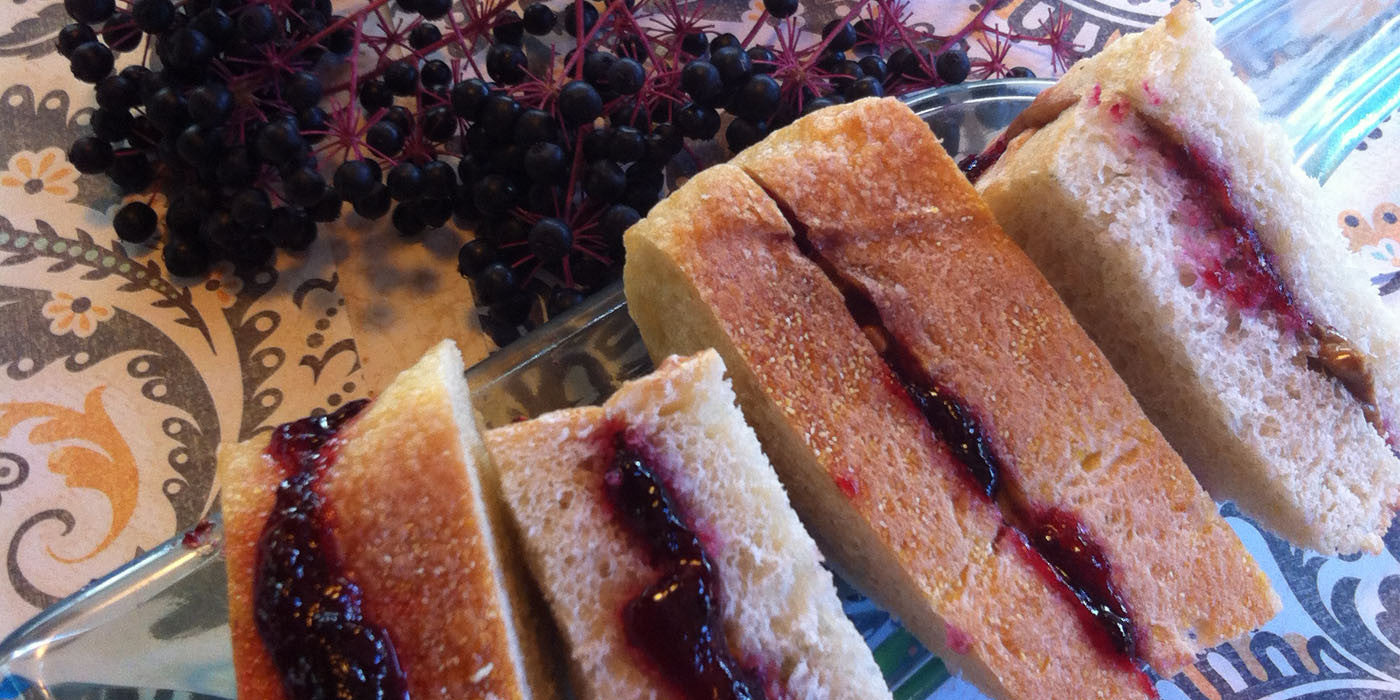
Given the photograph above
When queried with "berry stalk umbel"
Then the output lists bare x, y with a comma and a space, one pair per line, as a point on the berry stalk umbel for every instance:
547, 130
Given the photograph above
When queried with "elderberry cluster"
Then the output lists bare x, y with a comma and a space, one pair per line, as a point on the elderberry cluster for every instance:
247, 122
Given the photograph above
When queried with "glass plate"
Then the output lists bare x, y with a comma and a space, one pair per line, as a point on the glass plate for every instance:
157, 628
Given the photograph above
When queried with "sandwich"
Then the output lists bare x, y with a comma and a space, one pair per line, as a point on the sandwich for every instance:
368, 555
963, 452
668, 552
1175, 225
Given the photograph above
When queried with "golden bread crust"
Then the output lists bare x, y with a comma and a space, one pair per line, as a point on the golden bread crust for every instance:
885, 499
979, 317
410, 533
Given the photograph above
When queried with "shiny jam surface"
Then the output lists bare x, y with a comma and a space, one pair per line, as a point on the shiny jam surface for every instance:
674, 621
309, 615
1080, 564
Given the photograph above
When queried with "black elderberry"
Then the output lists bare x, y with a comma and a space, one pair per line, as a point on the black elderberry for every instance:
757, 99
626, 76
780, 8
89, 11
869, 86
698, 121
509, 28
815, 104
117, 92
702, 81
354, 179
873, 66
438, 123
401, 117
304, 186
215, 24
840, 37
110, 124
596, 65
762, 59
327, 208
120, 33
342, 41
505, 63
463, 207
189, 49
733, 64
604, 181
91, 62
434, 211
724, 41
439, 179
71, 36
507, 159
743, 133
845, 75
313, 123
627, 144
563, 299
542, 199
185, 257
953, 66
251, 207
132, 172
615, 220
534, 125
570, 12
424, 35
468, 97
406, 220
153, 16
830, 61
198, 145
550, 239
579, 102
219, 230
256, 23
627, 111
375, 94
663, 142
1020, 72
237, 168
374, 203
538, 19
433, 9
405, 181
90, 155
290, 228
436, 74
301, 89
494, 195
596, 143
402, 76
278, 141
498, 115
135, 222
385, 138
252, 252
631, 45
209, 105
476, 254
694, 43
545, 163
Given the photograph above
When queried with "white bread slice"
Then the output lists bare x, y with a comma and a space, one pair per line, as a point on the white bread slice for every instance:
714, 265
422, 532
778, 605
1101, 213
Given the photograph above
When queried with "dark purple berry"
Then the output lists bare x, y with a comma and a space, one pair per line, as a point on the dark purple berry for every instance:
615, 221
402, 76
733, 64
627, 144
694, 43
279, 141
131, 172
89, 11
1020, 72
509, 28
304, 186
663, 142
494, 282
476, 254
251, 207
342, 41
117, 92
198, 145
953, 66
873, 66
545, 163
215, 24
210, 104
436, 74
570, 12
255, 23
354, 179
434, 211
743, 133
627, 111
439, 179
291, 229
698, 121
702, 81
869, 86
596, 65
406, 220
90, 155
505, 63
326, 209
401, 117
423, 36
189, 48
539, 19
439, 123
815, 104
780, 8
604, 181
534, 125
301, 89
762, 59
840, 37
596, 143
185, 257
563, 299
626, 76
385, 138
135, 222
468, 97
71, 36
375, 94
313, 123
579, 102
494, 195
153, 16
757, 99
91, 62
498, 115
374, 203
110, 124
120, 33
433, 9
405, 181
550, 239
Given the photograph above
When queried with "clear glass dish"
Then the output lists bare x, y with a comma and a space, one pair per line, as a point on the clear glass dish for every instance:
157, 628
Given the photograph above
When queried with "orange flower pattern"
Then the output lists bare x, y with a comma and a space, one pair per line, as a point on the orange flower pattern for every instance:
47, 171
76, 315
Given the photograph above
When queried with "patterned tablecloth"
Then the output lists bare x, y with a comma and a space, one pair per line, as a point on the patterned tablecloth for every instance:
118, 383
